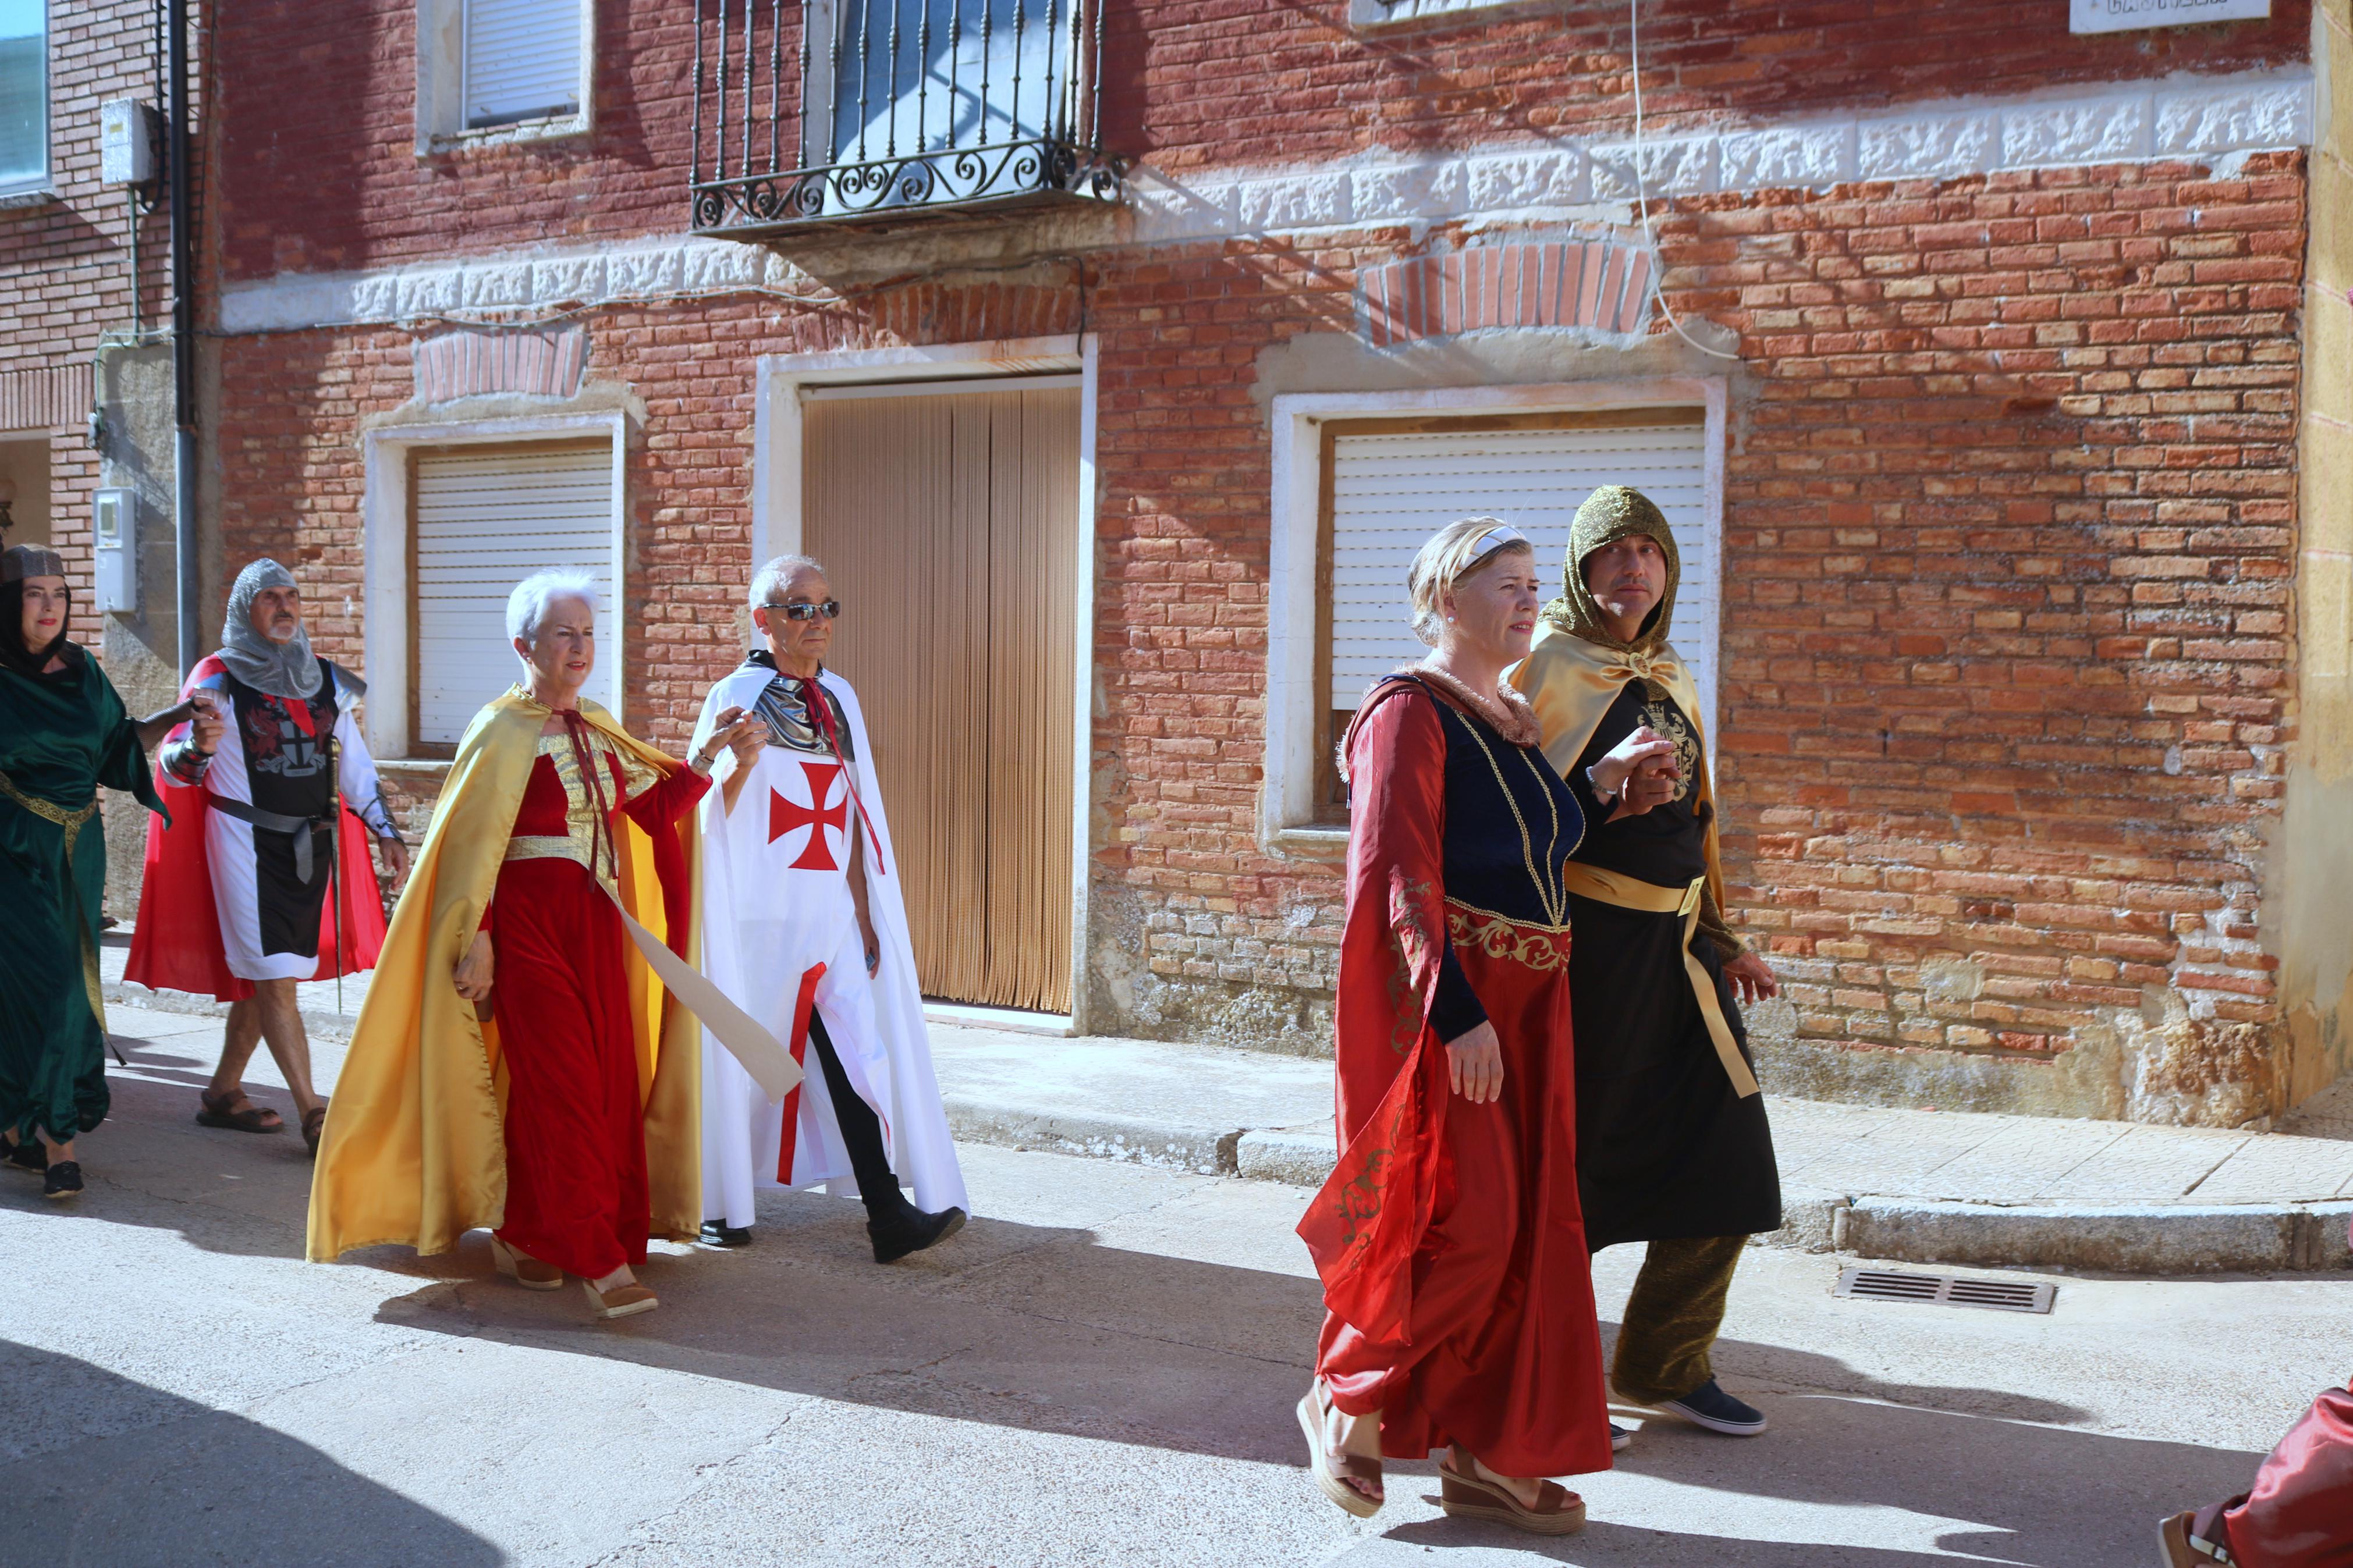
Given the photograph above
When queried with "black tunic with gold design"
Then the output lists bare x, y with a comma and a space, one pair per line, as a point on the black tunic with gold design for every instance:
1665, 1147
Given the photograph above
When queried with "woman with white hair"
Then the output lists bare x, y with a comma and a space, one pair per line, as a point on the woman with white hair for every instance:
514, 1065
1458, 1297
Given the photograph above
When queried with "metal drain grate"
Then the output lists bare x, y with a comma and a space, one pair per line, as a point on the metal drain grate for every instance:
2001, 1295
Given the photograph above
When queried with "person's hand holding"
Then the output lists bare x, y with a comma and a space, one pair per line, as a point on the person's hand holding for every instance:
473, 977
396, 860
1474, 1064
1645, 754
741, 733
205, 723
1752, 982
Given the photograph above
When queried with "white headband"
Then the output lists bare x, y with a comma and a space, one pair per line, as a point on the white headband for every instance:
1504, 534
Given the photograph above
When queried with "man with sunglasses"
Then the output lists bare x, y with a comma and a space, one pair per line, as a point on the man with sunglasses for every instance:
805, 927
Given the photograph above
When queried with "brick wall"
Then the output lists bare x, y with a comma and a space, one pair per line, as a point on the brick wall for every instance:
318, 154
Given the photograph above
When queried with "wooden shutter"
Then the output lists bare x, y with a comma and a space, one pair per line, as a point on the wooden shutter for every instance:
949, 524
1394, 485
522, 60
488, 517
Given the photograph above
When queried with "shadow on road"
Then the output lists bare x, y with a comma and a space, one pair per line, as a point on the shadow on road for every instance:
105, 1469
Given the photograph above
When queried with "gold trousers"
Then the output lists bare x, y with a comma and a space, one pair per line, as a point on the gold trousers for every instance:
1673, 1318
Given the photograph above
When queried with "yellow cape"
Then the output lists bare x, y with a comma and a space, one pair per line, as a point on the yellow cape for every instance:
414, 1151
1571, 682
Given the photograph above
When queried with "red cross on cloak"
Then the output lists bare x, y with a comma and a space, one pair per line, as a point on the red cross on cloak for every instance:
784, 816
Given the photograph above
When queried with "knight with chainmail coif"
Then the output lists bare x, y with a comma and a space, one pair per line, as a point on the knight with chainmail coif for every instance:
1673, 1147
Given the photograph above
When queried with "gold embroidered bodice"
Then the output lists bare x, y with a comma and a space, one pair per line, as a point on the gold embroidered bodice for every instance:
584, 840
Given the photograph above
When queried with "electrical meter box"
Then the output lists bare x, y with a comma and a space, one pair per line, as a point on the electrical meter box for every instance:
126, 142
114, 540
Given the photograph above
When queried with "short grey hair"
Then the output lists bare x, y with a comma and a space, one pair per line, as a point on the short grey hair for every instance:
1450, 555
527, 605
778, 575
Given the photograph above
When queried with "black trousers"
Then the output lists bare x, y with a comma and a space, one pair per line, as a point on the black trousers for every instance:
861, 1132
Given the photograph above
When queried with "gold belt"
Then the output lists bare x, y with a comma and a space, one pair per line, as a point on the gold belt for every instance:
1632, 893
73, 821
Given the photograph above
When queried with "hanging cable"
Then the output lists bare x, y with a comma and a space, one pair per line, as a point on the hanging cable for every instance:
1641, 200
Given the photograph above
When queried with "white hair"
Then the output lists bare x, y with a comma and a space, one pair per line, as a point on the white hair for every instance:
778, 576
527, 605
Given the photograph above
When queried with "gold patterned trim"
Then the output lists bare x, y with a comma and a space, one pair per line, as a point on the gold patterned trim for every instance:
1541, 948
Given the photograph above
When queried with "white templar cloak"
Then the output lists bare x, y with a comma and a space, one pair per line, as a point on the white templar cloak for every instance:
780, 936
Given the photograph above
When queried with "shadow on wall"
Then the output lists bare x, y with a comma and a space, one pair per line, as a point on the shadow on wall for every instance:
99, 1468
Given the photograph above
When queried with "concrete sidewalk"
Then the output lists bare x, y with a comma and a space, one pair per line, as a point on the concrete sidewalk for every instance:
1913, 1184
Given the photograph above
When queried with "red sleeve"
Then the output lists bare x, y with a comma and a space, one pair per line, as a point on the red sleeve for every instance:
1364, 1225
676, 795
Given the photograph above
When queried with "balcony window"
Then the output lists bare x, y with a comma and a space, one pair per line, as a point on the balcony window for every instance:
24, 95
816, 111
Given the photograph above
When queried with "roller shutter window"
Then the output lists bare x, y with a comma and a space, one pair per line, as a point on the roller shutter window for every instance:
1392, 489
522, 60
486, 519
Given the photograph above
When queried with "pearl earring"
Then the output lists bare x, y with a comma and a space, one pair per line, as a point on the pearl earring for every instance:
1450, 620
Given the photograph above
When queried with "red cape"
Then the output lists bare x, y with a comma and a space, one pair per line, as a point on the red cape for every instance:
175, 944
1372, 1213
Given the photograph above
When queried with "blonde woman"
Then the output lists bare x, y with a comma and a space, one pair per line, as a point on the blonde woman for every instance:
1458, 1294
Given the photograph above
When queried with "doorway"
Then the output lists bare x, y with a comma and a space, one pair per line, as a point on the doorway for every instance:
947, 513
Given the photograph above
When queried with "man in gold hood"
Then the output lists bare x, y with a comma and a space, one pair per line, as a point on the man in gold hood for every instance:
1672, 1148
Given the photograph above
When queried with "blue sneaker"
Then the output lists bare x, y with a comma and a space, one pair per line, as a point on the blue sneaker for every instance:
1619, 1439
1708, 1405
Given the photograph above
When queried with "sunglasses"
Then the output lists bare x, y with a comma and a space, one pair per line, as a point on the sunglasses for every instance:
828, 610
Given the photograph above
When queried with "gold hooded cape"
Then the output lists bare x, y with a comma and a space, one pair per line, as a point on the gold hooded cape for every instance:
1576, 668
414, 1149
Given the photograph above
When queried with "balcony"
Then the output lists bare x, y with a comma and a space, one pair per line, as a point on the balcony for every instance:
813, 112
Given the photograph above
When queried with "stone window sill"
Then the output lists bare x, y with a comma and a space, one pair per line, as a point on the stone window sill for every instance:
555, 129
38, 195
1325, 844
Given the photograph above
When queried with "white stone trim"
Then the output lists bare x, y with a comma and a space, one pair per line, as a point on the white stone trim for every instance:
778, 381
387, 582
2214, 119
1287, 791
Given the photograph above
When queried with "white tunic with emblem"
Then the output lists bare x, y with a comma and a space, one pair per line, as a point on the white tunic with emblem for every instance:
781, 937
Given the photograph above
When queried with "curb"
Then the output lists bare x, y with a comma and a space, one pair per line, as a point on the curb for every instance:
2135, 1239
317, 1022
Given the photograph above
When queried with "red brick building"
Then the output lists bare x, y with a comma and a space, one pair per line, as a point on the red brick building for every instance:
1993, 371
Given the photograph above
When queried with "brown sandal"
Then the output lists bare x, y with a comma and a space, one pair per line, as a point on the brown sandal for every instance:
236, 1112
314, 1125
1335, 1471
1464, 1495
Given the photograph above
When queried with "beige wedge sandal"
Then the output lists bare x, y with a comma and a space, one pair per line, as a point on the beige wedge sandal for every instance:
525, 1270
1463, 1493
1333, 1471
621, 1300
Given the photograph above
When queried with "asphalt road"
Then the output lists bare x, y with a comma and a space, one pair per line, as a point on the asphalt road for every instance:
1099, 1371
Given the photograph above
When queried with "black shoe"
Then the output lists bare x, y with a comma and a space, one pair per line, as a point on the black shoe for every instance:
1709, 1406
1620, 1439
29, 1154
912, 1232
63, 1181
719, 1233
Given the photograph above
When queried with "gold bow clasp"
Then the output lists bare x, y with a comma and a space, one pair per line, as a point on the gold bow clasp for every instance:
1629, 664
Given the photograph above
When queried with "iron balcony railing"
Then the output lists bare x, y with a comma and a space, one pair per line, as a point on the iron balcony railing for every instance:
823, 110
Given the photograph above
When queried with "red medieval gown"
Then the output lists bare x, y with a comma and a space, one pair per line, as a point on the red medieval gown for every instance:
1458, 1289
574, 1124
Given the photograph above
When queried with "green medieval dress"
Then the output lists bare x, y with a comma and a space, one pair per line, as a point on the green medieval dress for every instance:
62, 734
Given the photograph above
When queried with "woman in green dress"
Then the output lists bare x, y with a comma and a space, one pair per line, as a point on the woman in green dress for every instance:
63, 732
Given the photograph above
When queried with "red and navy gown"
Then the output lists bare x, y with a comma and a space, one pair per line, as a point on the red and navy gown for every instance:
1457, 1284
574, 1122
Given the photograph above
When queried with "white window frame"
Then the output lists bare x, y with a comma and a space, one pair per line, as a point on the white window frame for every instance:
389, 578
441, 85
777, 432
33, 187
1376, 14
1294, 706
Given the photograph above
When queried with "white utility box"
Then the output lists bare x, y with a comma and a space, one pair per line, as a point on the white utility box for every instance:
126, 142
114, 541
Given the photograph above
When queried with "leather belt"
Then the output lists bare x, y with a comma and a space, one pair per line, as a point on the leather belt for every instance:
1632, 893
